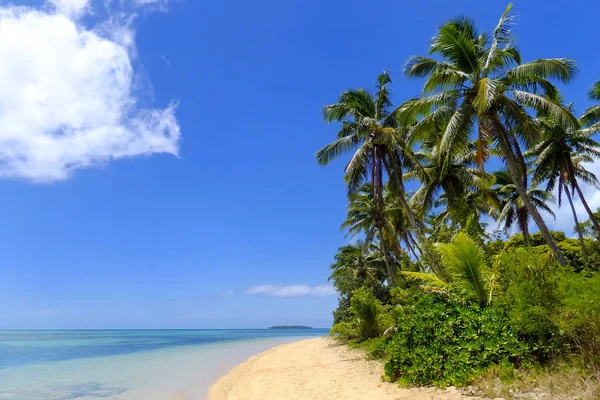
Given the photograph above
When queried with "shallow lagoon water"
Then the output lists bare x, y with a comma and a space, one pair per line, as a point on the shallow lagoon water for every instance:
126, 365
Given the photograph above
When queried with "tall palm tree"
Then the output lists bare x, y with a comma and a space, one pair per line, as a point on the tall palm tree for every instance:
370, 130
558, 160
361, 212
590, 122
511, 207
480, 86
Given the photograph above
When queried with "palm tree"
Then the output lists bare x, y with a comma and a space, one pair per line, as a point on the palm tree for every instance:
457, 185
590, 122
466, 273
361, 213
511, 207
558, 160
370, 130
358, 262
480, 86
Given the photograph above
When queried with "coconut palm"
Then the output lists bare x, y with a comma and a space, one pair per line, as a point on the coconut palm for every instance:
370, 130
457, 185
591, 116
358, 262
559, 159
511, 207
479, 86
590, 124
360, 219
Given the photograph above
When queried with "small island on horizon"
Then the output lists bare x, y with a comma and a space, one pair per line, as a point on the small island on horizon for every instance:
290, 327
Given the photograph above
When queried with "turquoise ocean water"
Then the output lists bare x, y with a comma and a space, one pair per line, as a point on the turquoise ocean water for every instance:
126, 364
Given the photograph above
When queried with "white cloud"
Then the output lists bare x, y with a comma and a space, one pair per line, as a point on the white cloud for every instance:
159, 4
291, 290
70, 7
67, 98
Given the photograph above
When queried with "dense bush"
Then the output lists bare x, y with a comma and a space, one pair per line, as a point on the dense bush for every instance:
346, 286
579, 319
535, 312
367, 319
571, 249
440, 342
539, 310
529, 292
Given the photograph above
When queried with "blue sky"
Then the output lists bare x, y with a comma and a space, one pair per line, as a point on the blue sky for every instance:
159, 155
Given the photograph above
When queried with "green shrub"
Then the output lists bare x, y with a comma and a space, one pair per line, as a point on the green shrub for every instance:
343, 330
367, 317
442, 343
537, 239
368, 314
571, 249
529, 291
579, 319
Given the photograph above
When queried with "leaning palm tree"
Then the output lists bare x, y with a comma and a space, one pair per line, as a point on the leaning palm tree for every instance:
511, 207
559, 159
590, 124
466, 273
370, 130
479, 86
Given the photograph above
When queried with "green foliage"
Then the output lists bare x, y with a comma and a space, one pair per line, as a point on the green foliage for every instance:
366, 310
587, 227
579, 319
440, 342
486, 304
537, 239
571, 249
367, 319
464, 270
531, 295
540, 310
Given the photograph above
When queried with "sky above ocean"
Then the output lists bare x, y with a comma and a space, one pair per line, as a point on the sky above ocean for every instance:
157, 156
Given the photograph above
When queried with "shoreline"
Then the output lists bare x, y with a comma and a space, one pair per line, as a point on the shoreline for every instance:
317, 368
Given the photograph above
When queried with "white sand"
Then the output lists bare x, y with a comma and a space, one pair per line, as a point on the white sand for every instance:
315, 369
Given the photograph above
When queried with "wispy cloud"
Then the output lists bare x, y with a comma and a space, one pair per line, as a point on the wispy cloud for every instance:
291, 290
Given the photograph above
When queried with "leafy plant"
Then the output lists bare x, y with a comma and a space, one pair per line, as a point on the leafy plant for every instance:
441, 342
368, 317
464, 270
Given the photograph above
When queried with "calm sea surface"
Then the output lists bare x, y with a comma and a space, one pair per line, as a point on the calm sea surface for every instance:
126, 364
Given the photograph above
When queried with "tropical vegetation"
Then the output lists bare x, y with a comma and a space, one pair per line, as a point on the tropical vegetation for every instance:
452, 270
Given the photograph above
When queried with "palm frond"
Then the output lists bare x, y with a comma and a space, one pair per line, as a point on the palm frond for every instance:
430, 279
337, 148
464, 260
561, 69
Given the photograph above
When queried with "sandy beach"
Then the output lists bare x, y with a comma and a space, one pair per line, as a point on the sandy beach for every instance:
315, 369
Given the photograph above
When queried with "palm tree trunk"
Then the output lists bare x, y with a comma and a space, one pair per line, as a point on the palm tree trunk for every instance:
415, 244
523, 225
577, 227
377, 177
587, 207
518, 182
412, 250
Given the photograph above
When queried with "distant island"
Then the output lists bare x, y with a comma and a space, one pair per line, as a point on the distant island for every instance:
290, 327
